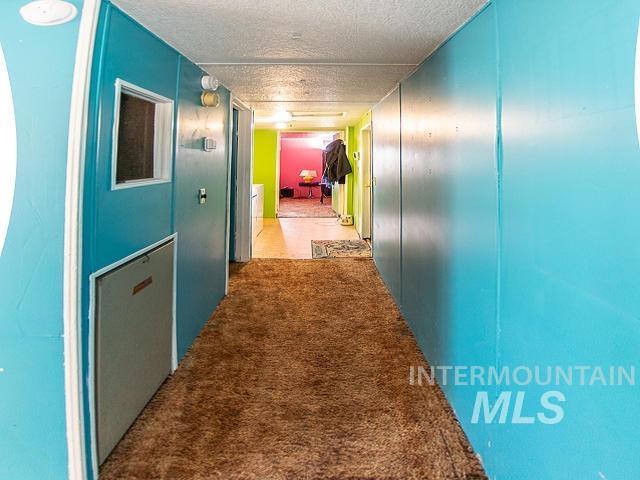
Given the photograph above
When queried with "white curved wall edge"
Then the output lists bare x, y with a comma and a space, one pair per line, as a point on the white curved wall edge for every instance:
78, 120
8, 150
638, 84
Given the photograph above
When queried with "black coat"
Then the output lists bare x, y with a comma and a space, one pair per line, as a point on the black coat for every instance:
336, 162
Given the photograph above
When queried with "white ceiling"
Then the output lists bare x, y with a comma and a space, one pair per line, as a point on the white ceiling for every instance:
330, 55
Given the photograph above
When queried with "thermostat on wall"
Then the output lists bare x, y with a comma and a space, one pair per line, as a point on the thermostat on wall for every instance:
208, 144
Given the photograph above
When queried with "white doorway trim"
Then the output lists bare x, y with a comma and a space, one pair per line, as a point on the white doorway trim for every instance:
364, 181
277, 179
72, 277
244, 180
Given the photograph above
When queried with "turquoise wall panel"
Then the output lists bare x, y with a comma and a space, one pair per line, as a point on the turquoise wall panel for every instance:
570, 229
201, 239
32, 403
386, 191
119, 223
126, 220
449, 208
519, 234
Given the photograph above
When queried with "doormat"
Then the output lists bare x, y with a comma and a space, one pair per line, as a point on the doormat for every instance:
339, 248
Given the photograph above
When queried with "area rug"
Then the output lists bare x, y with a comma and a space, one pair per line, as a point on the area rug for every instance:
339, 248
305, 208
301, 374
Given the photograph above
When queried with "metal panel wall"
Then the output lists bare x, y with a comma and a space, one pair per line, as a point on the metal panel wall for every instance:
119, 223
201, 239
571, 230
386, 191
519, 227
127, 220
449, 208
32, 391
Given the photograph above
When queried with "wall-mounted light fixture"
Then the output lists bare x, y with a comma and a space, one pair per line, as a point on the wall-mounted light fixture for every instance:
210, 99
210, 83
46, 13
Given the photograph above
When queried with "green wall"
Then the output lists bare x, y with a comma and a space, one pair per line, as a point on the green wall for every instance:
265, 151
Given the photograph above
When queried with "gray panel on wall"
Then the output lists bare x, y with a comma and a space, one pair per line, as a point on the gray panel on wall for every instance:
134, 316
386, 191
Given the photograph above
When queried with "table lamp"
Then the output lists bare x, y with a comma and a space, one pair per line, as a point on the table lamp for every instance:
308, 175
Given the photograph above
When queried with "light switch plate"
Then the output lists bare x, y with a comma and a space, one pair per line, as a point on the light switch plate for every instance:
202, 196
208, 144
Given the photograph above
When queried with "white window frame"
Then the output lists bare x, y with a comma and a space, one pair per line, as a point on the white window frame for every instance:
163, 136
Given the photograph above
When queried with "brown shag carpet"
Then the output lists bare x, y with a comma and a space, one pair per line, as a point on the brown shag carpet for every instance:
301, 373
305, 208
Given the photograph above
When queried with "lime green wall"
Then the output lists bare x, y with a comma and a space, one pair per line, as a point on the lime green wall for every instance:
355, 190
265, 151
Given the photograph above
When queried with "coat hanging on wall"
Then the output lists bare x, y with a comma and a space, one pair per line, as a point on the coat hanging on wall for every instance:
336, 163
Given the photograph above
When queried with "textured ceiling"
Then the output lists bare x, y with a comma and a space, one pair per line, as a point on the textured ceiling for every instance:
308, 52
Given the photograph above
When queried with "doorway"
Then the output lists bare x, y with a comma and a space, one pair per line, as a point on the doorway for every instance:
240, 187
307, 212
302, 187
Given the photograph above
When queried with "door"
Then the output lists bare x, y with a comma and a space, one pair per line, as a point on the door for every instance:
366, 183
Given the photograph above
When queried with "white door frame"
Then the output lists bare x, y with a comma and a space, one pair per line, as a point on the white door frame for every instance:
72, 277
277, 179
244, 178
366, 199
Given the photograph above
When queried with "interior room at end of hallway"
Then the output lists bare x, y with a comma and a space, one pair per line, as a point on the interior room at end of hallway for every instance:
303, 189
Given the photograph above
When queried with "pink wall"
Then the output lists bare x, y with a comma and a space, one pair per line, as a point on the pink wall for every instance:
300, 151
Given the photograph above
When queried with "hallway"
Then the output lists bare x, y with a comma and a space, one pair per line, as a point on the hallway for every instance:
283, 385
173, 305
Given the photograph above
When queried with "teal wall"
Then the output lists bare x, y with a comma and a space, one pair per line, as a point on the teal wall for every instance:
387, 191
32, 409
201, 228
449, 200
121, 222
519, 239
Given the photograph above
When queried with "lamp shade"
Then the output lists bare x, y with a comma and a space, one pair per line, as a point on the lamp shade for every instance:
308, 175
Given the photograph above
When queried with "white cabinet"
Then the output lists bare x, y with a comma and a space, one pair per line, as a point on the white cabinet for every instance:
257, 210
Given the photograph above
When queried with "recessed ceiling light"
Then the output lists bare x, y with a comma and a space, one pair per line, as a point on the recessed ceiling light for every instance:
296, 36
282, 116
